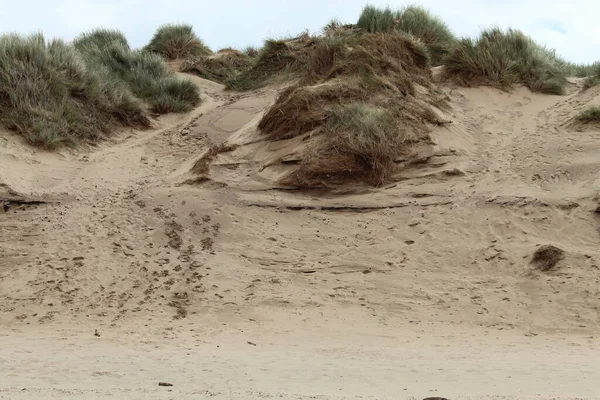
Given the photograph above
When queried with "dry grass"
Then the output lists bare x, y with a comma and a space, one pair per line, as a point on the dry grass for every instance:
589, 116
177, 41
277, 57
300, 108
361, 141
547, 257
220, 67
502, 59
310, 57
202, 165
357, 94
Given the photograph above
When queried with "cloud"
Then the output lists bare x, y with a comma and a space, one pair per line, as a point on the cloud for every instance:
558, 24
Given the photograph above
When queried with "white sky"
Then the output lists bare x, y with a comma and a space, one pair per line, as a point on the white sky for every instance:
571, 27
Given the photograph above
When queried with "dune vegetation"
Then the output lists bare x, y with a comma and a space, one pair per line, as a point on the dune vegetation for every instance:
412, 20
177, 41
357, 96
589, 115
592, 76
276, 58
222, 66
51, 97
504, 58
54, 93
146, 74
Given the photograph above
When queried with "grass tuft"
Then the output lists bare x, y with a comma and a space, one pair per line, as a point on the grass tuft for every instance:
275, 58
362, 97
501, 59
177, 41
376, 20
589, 116
413, 20
368, 136
53, 93
592, 76
145, 74
100, 37
251, 51
220, 67
429, 29
50, 97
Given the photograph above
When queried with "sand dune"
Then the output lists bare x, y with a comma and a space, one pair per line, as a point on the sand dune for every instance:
228, 286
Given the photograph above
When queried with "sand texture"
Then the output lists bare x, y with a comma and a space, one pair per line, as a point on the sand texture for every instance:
121, 266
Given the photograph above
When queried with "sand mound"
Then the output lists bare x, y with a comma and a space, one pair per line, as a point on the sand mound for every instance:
362, 101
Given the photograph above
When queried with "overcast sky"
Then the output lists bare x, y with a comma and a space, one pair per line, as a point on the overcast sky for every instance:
571, 27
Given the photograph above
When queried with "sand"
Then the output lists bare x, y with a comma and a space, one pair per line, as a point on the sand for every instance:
117, 272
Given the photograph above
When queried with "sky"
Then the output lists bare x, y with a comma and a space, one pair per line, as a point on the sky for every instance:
569, 26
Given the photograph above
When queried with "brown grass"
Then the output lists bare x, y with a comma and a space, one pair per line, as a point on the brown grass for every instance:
546, 257
300, 109
202, 165
590, 115
276, 57
358, 96
220, 67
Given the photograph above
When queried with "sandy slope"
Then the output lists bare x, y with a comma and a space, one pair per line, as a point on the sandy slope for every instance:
232, 289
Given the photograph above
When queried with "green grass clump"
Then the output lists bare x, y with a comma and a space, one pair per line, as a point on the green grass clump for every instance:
375, 20
428, 28
592, 74
590, 115
177, 41
251, 51
145, 74
582, 70
50, 97
502, 59
413, 20
101, 37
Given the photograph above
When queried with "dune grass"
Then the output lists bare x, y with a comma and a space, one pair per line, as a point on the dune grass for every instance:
177, 41
375, 20
221, 67
583, 70
356, 94
275, 58
49, 96
54, 93
101, 37
589, 115
592, 74
146, 74
366, 134
504, 58
251, 51
413, 20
